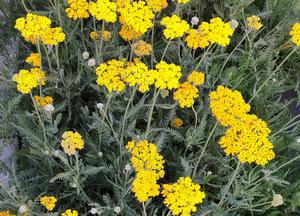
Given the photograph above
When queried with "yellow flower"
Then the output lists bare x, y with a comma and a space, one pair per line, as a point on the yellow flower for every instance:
106, 35
34, 59
137, 15
218, 31
175, 27
295, 33
183, 1
141, 48
248, 140
70, 212
48, 202
78, 9
40, 75
254, 22
144, 156
196, 39
182, 196
128, 33
137, 73
169, 75
157, 5
185, 95
5, 213
104, 10
43, 101
110, 75
26, 81
196, 78
145, 185
53, 36
71, 141
176, 122
122, 3
228, 106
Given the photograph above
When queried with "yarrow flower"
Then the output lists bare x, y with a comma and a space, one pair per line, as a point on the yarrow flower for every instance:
157, 5
122, 3
54, 36
185, 95
196, 78
254, 22
33, 59
196, 38
141, 48
175, 27
137, 15
182, 196
70, 212
71, 141
219, 32
295, 34
169, 75
78, 9
104, 10
43, 101
277, 200
110, 75
176, 123
48, 202
128, 33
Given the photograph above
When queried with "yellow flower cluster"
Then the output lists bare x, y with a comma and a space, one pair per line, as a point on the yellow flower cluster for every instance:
78, 9
34, 59
182, 196
71, 141
137, 73
295, 34
196, 38
110, 75
48, 202
27, 80
196, 78
175, 27
141, 48
186, 94
43, 101
157, 5
128, 33
5, 213
35, 28
104, 10
254, 22
176, 123
228, 106
137, 16
122, 3
248, 140
106, 35
70, 212
169, 75
149, 166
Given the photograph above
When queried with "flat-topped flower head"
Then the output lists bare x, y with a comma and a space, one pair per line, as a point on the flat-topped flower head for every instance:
106, 35
48, 202
71, 141
176, 122
248, 140
228, 106
110, 75
197, 39
53, 36
33, 59
43, 101
183, 196
26, 81
40, 75
137, 15
169, 75
254, 22
141, 48
174, 27
157, 5
219, 31
295, 34
78, 9
128, 33
185, 95
104, 10
70, 212
196, 78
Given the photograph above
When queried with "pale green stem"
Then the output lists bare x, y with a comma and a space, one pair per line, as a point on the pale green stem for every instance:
156, 93
48, 59
25, 7
152, 44
101, 40
56, 56
95, 41
144, 209
40, 81
202, 58
165, 51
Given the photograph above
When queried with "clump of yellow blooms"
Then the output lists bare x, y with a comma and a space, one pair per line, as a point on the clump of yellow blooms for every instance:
35, 28
254, 22
106, 35
295, 34
48, 202
219, 32
228, 106
196, 78
186, 94
70, 212
78, 9
183, 1
137, 15
157, 5
104, 10
71, 141
128, 33
5, 213
33, 59
122, 3
248, 140
141, 48
175, 27
196, 38
110, 75
182, 196
137, 73
176, 123
43, 101
40, 75
169, 75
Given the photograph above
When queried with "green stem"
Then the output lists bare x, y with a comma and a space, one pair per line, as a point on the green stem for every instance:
156, 93
25, 7
165, 51
101, 40
144, 209
95, 40
202, 58
152, 43
48, 59
56, 57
